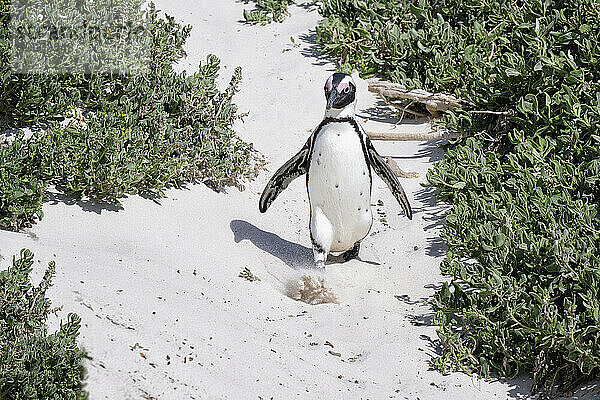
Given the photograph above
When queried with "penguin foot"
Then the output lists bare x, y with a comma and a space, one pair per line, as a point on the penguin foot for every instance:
352, 253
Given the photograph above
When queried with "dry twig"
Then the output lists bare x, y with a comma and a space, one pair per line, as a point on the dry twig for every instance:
397, 171
408, 136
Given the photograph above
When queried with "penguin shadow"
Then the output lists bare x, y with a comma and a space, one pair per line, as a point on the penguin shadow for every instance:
292, 254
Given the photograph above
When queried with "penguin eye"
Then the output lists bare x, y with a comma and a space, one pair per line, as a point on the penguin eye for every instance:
346, 90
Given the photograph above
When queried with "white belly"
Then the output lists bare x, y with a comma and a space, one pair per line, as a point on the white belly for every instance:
340, 186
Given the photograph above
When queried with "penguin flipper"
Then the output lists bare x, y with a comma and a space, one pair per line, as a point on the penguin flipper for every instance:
293, 168
388, 176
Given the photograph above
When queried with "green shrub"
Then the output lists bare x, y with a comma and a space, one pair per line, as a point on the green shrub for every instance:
268, 11
145, 142
127, 132
21, 191
33, 364
524, 260
523, 233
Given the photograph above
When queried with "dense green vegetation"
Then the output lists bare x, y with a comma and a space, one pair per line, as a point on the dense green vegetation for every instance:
268, 11
523, 234
126, 133
33, 363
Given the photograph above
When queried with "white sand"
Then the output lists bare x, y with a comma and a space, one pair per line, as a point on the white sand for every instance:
156, 283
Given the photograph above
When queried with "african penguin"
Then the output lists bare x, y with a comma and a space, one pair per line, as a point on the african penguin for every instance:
337, 160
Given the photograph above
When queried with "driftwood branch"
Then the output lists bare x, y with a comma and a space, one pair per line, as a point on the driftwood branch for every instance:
408, 136
434, 102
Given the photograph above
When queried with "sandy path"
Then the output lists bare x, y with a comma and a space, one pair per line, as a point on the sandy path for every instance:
156, 283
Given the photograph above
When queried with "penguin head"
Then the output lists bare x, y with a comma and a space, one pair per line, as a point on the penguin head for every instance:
340, 93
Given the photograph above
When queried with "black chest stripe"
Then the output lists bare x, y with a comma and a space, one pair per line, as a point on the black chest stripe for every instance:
374, 161
359, 132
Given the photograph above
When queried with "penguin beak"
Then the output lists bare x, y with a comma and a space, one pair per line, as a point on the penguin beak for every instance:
333, 96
